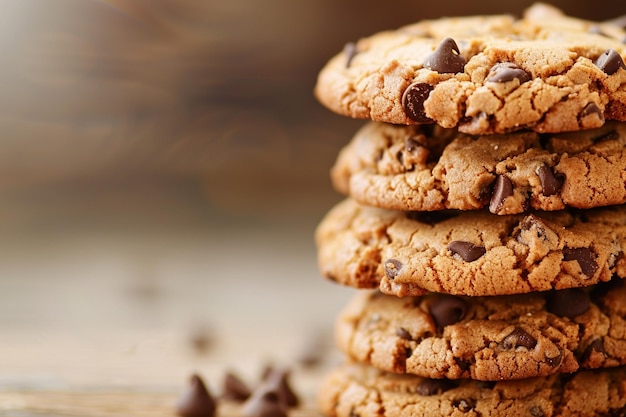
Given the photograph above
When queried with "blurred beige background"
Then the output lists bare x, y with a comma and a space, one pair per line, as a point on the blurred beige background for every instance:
163, 165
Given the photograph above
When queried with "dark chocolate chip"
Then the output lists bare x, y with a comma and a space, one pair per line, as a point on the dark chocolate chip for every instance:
585, 258
350, 51
447, 309
468, 251
446, 59
234, 389
595, 346
413, 100
264, 403
550, 183
403, 333
464, 405
392, 268
556, 361
519, 338
196, 400
278, 380
434, 386
502, 189
589, 109
463, 364
503, 72
569, 303
610, 61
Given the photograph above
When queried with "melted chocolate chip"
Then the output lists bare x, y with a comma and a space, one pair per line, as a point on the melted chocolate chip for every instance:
589, 109
403, 333
595, 346
264, 403
569, 303
350, 51
234, 389
447, 309
413, 100
196, 401
610, 62
503, 72
550, 183
434, 386
585, 258
392, 268
502, 189
446, 59
519, 338
555, 361
466, 250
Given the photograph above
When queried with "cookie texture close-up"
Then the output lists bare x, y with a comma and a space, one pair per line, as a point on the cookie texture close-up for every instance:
487, 338
357, 390
429, 168
544, 71
473, 253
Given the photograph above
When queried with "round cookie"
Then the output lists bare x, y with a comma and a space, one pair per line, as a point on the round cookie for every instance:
484, 74
353, 390
487, 338
470, 253
428, 168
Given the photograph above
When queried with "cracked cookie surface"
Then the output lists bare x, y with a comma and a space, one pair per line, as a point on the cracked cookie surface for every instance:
545, 71
429, 168
487, 338
353, 390
471, 253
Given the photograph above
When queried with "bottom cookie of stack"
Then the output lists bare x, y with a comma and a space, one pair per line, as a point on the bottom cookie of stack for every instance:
358, 390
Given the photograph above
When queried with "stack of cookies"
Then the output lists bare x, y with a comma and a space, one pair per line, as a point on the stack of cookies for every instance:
484, 224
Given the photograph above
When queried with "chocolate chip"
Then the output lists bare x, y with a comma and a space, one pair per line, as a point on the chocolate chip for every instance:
585, 258
610, 61
595, 346
264, 403
234, 389
196, 401
519, 338
464, 405
392, 268
413, 100
555, 361
589, 109
446, 59
502, 189
550, 183
503, 72
431, 217
278, 380
468, 251
447, 309
350, 51
403, 333
462, 363
569, 303
434, 386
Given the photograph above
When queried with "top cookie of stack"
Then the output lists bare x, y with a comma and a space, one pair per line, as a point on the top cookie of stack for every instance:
546, 71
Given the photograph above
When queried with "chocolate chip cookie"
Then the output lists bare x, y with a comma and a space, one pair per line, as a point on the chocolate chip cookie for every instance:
431, 168
356, 390
545, 71
473, 253
487, 338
